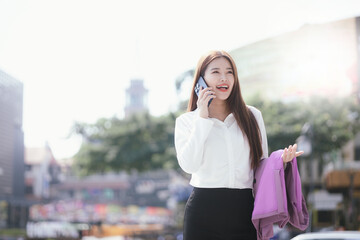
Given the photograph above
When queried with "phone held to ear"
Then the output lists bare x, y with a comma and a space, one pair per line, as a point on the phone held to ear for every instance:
201, 83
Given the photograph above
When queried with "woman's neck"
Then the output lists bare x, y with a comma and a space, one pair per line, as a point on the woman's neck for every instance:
218, 110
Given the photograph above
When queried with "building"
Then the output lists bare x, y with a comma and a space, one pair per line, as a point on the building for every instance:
136, 98
12, 204
317, 59
42, 171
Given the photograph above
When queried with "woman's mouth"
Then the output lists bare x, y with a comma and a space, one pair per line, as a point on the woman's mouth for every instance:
223, 87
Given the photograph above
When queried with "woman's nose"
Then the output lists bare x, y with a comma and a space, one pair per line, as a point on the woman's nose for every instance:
223, 78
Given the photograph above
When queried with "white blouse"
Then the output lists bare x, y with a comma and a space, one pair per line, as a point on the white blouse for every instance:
216, 153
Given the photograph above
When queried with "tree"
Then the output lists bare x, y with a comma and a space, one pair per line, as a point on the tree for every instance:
142, 142
334, 122
145, 142
283, 122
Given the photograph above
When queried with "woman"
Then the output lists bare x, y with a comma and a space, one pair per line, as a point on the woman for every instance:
220, 144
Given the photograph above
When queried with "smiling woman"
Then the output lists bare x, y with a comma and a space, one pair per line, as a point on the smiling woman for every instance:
218, 68
220, 145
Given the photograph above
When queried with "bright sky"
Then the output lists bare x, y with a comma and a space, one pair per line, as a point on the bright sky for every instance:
76, 57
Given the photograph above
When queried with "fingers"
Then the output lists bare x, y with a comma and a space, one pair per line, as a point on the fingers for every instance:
205, 95
299, 153
290, 152
205, 92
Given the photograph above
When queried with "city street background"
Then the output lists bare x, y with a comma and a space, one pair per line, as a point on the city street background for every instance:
90, 90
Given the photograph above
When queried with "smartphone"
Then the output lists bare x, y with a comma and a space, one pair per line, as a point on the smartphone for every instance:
201, 83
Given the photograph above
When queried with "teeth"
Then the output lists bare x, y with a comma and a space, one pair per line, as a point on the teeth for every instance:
223, 87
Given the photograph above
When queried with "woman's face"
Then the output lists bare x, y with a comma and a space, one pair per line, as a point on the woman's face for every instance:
220, 76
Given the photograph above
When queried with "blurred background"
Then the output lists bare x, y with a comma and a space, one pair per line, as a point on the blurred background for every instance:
89, 93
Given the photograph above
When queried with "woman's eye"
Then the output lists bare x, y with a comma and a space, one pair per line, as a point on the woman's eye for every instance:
215, 72
231, 72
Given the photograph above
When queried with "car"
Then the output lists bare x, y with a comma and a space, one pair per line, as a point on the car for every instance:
332, 235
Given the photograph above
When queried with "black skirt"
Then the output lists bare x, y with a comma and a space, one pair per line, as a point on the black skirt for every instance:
219, 214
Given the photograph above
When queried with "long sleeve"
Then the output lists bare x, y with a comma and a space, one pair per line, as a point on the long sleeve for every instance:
264, 142
190, 137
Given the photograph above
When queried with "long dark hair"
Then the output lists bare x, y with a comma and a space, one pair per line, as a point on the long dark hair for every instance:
243, 115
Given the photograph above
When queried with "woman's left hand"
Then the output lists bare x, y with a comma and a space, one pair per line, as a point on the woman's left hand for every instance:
290, 152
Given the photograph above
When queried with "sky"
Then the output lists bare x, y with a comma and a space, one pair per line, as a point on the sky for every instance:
76, 57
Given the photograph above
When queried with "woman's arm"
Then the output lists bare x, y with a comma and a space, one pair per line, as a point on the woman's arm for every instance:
190, 136
264, 142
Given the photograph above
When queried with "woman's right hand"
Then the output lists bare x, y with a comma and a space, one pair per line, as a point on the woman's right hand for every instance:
204, 97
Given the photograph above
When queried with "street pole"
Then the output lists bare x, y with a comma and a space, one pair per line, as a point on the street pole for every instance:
350, 217
305, 143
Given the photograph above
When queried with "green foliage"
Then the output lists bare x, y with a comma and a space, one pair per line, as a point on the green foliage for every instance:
142, 142
334, 122
145, 142
283, 122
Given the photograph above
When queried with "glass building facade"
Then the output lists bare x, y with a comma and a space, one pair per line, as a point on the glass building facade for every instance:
12, 204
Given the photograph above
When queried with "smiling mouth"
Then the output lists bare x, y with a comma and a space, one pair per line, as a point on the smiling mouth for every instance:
222, 87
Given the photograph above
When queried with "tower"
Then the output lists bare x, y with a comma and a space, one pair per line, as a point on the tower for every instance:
136, 98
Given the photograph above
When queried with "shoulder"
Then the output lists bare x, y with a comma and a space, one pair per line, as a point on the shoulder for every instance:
257, 114
186, 117
254, 111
